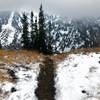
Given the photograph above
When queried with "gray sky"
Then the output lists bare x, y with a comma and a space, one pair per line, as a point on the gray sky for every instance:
60, 7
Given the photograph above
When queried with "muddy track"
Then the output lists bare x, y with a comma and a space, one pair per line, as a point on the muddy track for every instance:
46, 90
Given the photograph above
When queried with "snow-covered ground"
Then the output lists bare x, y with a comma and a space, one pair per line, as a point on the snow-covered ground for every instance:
24, 88
78, 77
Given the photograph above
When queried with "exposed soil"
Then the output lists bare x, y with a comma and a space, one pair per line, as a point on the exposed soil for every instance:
46, 90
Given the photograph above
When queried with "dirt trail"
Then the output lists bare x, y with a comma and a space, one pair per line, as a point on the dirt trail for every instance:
46, 90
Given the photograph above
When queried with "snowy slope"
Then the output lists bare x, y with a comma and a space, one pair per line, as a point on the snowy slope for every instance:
67, 33
73, 33
25, 85
8, 31
78, 77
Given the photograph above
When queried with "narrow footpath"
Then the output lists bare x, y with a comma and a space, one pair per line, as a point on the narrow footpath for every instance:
46, 90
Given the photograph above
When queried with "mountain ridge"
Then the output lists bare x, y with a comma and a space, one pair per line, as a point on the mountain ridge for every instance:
67, 33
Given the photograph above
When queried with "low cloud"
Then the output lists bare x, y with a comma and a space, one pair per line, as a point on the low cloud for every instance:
60, 7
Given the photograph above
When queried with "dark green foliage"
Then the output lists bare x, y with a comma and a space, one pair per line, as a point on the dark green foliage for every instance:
49, 39
36, 39
42, 34
34, 34
25, 36
32, 31
0, 45
39, 40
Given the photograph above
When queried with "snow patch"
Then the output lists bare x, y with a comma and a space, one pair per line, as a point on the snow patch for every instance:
24, 88
78, 78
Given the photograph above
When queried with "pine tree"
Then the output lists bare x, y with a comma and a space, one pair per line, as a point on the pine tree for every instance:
42, 35
49, 40
25, 36
35, 26
0, 45
36, 39
32, 31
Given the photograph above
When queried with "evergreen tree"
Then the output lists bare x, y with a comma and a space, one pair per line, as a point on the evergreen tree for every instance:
36, 39
49, 40
35, 26
41, 43
0, 45
25, 36
32, 31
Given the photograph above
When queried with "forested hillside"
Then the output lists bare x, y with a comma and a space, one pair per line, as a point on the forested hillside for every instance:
54, 33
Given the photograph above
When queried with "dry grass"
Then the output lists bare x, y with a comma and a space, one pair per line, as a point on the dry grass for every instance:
61, 57
26, 57
21, 56
4, 76
85, 50
8, 57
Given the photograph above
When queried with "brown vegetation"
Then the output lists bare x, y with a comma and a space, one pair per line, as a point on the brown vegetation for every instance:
26, 57
61, 57
21, 56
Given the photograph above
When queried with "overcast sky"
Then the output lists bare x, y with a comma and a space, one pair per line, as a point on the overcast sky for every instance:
60, 7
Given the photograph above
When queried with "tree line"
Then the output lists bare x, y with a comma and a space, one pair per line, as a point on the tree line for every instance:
37, 39
49, 36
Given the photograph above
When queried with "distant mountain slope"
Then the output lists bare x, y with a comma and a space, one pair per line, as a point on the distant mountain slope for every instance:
67, 33
10, 29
